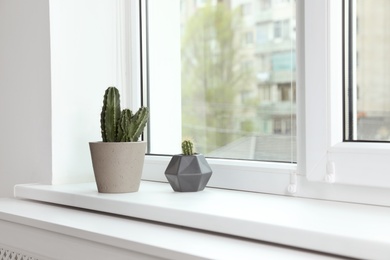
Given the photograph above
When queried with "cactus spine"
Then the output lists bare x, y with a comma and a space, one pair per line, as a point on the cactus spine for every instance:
187, 147
117, 126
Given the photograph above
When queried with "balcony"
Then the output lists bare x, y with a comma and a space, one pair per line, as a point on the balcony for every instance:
263, 16
282, 76
276, 45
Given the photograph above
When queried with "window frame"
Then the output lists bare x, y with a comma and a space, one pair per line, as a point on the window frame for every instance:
331, 159
324, 169
226, 172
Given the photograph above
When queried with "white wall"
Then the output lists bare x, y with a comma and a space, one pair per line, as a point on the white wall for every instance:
25, 109
83, 63
56, 60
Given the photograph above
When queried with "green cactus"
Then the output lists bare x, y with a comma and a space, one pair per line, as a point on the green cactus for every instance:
110, 115
187, 147
117, 126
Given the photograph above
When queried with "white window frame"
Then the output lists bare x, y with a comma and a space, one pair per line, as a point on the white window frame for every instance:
229, 174
329, 158
328, 168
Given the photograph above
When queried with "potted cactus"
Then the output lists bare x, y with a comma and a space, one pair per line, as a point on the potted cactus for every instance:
188, 171
118, 160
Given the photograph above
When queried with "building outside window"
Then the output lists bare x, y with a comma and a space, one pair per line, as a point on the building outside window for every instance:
370, 64
232, 107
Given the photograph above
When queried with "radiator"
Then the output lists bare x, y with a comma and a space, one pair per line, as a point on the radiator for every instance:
15, 254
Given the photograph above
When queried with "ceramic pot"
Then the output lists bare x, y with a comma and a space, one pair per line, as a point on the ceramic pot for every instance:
118, 165
187, 173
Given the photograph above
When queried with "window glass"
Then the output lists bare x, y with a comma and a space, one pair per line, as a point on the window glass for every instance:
265, 4
277, 29
237, 85
262, 33
368, 80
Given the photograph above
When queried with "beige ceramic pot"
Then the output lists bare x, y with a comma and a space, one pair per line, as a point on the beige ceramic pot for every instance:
118, 166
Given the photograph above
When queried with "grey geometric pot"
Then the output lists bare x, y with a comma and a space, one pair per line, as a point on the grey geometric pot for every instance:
187, 173
118, 165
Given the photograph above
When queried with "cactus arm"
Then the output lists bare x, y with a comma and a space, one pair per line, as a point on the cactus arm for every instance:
187, 147
110, 114
138, 122
124, 124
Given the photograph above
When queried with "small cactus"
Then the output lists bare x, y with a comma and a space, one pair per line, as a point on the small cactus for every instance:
121, 126
187, 147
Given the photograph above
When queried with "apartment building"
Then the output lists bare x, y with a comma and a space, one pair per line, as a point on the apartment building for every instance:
371, 66
265, 40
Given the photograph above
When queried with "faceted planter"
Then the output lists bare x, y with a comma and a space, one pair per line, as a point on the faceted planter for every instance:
117, 166
188, 173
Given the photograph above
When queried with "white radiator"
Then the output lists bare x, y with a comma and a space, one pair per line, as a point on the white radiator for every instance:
14, 254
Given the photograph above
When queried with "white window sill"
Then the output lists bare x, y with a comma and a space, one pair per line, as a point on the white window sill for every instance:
352, 230
45, 231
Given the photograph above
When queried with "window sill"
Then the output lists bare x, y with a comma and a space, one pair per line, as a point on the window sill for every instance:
44, 231
345, 229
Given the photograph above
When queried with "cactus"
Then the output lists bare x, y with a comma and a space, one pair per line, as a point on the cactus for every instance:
187, 147
121, 126
110, 115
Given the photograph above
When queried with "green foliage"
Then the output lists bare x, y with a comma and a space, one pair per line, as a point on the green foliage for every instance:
187, 147
212, 77
117, 125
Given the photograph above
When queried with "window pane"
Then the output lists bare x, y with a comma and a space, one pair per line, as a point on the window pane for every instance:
369, 67
238, 78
